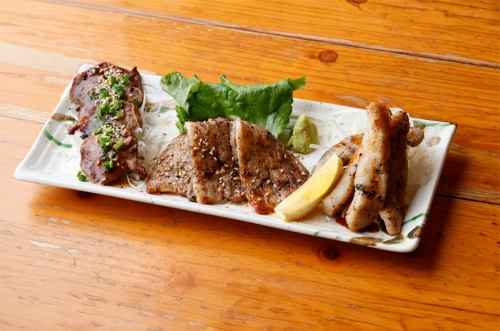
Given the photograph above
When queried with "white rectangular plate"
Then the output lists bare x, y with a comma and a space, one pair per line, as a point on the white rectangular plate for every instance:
54, 160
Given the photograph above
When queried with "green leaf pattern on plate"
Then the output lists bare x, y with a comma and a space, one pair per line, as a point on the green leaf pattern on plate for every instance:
422, 125
396, 240
414, 218
59, 143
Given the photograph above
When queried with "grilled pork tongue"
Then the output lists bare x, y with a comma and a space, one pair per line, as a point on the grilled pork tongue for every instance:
92, 163
85, 92
108, 116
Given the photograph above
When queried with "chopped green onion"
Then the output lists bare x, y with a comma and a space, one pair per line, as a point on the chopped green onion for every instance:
104, 93
104, 141
125, 80
81, 176
119, 144
119, 114
116, 105
119, 89
110, 107
107, 130
112, 80
102, 110
109, 165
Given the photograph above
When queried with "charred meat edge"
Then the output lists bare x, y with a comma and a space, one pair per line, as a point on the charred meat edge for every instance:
371, 178
394, 207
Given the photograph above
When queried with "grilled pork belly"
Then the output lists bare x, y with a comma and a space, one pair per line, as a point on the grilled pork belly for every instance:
335, 202
371, 179
394, 207
348, 146
345, 150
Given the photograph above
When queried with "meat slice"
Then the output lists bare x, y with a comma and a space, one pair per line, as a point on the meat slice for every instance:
334, 203
117, 93
92, 160
85, 88
172, 172
345, 150
92, 155
370, 181
347, 147
268, 172
216, 176
394, 207
414, 137
128, 155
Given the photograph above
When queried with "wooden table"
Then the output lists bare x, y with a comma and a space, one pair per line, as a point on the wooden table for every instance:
77, 261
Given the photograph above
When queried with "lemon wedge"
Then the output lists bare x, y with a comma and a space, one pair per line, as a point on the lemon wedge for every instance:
308, 196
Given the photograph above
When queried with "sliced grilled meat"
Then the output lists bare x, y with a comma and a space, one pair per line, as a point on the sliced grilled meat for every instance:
85, 91
414, 137
216, 176
335, 202
370, 181
172, 172
268, 172
92, 163
345, 150
347, 147
108, 115
394, 207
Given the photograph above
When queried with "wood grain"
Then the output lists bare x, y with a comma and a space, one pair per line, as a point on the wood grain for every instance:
457, 30
81, 261
76, 261
422, 87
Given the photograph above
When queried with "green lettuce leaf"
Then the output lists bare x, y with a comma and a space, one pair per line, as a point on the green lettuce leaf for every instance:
267, 105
